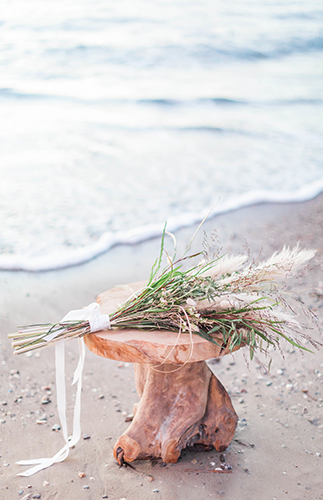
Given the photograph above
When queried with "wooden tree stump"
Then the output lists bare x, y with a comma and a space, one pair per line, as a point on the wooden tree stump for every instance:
182, 403
178, 408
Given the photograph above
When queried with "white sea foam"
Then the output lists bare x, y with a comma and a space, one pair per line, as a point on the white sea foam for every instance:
76, 256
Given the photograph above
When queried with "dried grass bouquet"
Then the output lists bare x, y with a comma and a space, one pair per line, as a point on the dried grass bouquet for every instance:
223, 299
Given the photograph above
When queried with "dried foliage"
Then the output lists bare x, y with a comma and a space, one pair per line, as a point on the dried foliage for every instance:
223, 299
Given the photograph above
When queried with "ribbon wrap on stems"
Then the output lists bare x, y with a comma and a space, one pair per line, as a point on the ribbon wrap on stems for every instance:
97, 322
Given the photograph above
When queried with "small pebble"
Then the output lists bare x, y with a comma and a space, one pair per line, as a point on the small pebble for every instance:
86, 436
81, 474
104, 496
194, 461
280, 371
20, 492
56, 428
226, 467
269, 383
46, 483
86, 487
289, 387
45, 400
318, 454
155, 490
37, 495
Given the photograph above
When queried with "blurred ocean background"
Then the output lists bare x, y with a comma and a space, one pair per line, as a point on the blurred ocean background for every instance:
118, 115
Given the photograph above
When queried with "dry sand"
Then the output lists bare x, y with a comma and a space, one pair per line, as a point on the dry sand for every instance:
277, 452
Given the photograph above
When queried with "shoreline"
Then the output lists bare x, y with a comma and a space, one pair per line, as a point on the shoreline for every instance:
64, 259
278, 447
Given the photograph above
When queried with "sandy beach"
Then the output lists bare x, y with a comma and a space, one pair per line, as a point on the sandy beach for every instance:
277, 452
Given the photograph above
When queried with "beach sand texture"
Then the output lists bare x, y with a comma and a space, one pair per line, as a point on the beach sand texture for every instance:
277, 452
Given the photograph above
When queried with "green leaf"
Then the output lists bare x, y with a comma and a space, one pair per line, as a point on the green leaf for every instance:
208, 337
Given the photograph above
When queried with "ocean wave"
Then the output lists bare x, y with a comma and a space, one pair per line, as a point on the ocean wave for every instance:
221, 101
180, 55
8, 93
314, 15
76, 256
11, 93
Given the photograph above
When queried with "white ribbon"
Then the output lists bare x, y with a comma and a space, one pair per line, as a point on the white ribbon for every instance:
99, 321
90, 313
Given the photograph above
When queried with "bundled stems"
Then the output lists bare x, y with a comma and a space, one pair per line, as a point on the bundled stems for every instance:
224, 300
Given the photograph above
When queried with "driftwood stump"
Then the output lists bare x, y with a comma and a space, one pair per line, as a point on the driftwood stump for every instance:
178, 408
182, 403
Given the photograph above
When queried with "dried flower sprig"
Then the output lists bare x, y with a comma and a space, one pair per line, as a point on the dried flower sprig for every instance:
223, 300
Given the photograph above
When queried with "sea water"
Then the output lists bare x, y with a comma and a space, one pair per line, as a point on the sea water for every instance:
119, 115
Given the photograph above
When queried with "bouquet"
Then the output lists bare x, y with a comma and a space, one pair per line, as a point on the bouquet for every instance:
224, 299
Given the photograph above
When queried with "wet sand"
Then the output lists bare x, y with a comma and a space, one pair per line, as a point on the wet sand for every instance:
277, 451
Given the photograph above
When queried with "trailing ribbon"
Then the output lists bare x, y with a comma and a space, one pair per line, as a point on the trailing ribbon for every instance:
97, 322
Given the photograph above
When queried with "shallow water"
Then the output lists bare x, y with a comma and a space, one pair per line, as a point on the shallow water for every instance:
117, 117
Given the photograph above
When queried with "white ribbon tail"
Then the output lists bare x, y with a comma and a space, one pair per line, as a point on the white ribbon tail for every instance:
97, 322
61, 455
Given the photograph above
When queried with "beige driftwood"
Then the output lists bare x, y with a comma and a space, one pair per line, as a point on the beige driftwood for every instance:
182, 403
